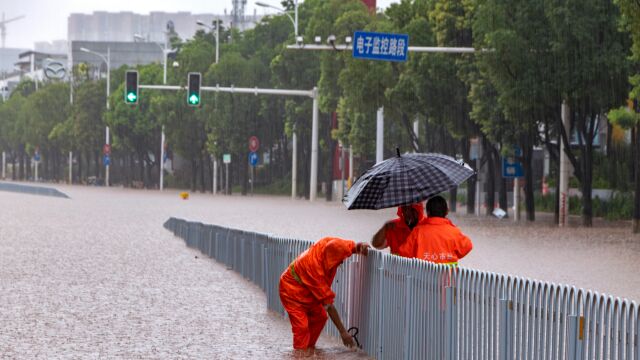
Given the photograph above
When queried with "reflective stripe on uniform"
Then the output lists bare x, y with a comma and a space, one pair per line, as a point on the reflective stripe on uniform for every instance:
292, 270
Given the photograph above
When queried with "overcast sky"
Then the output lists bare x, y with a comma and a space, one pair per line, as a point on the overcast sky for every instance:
46, 20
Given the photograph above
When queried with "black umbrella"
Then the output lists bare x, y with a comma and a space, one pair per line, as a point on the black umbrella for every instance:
406, 179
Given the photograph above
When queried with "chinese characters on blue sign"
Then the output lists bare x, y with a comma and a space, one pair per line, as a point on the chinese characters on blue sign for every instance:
511, 167
380, 46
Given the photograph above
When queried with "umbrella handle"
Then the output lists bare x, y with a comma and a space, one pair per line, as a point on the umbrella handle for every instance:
353, 331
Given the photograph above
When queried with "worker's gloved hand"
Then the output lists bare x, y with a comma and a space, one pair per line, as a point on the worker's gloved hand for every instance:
362, 248
347, 339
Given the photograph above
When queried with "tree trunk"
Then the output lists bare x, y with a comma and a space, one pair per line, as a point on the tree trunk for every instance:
131, 169
471, 183
141, 169
98, 165
587, 178
194, 174
209, 172
612, 161
491, 183
587, 203
527, 153
21, 171
13, 166
244, 174
202, 169
331, 158
453, 193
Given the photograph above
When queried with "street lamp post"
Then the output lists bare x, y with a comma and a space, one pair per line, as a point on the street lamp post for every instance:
107, 60
294, 19
294, 138
214, 182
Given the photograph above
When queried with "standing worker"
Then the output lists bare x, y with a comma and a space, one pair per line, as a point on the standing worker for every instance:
437, 239
305, 290
394, 233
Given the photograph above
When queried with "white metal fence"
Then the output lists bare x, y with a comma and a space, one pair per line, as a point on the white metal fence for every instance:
412, 309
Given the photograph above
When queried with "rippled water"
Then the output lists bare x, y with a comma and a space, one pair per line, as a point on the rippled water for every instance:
96, 276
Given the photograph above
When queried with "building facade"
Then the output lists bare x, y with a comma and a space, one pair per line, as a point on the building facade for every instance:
122, 26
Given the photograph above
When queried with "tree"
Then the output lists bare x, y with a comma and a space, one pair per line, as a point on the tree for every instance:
591, 76
631, 22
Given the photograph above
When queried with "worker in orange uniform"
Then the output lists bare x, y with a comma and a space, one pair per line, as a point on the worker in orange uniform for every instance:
437, 239
305, 290
394, 233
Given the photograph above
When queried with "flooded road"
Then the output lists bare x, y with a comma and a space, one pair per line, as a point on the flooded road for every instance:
97, 276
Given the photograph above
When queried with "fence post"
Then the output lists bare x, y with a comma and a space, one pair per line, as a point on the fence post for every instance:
380, 309
407, 317
505, 330
575, 336
449, 324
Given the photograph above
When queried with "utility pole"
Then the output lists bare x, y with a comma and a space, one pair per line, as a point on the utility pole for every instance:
380, 135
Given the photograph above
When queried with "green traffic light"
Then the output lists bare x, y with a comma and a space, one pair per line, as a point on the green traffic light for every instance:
194, 100
131, 97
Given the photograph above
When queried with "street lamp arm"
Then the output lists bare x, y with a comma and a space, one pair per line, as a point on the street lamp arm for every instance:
104, 58
262, 4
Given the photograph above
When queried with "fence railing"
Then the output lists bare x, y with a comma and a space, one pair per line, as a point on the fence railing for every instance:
412, 309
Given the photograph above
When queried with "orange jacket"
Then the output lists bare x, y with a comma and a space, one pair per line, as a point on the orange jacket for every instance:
315, 269
438, 241
397, 235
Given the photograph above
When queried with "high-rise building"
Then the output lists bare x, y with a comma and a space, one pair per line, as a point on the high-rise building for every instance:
122, 26
371, 4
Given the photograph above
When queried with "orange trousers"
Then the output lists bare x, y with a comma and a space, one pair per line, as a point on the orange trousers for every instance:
307, 319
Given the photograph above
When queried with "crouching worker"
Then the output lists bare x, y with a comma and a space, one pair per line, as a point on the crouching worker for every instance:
305, 290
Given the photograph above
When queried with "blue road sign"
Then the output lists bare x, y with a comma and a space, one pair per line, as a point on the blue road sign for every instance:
107, 160
380, 46
36, 156
511, 167
253, 158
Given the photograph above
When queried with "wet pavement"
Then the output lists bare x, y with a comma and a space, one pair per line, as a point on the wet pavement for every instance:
97, 276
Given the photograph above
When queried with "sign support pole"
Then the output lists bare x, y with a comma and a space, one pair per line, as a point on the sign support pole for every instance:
162, 156
226, 174
70, 167
4, 164
516, 199
314, 147
106, 174
380, 135
294, 165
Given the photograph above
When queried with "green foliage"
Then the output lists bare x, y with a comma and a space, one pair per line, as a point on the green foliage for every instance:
623, 117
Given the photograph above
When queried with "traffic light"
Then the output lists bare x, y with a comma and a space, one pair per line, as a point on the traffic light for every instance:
131, 87
193, 96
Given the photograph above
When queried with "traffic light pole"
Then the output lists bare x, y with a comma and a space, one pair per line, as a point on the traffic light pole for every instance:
313, 94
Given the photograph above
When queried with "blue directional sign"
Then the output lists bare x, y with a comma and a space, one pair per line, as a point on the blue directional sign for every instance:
380, 46
36, 157
106, 160
511, 167
253, 158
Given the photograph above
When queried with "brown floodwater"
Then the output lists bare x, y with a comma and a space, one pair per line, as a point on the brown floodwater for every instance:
97, 276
